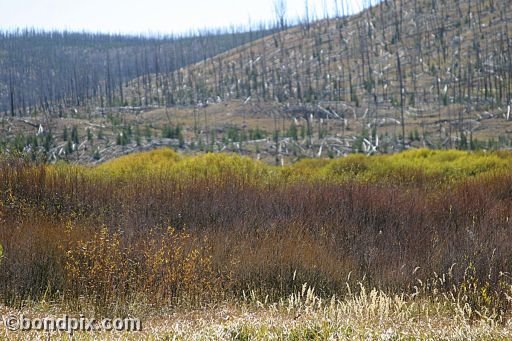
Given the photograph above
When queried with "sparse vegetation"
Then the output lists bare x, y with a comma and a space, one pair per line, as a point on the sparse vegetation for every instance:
421, 73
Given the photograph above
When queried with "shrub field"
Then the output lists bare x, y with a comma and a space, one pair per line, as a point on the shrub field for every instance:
158, 231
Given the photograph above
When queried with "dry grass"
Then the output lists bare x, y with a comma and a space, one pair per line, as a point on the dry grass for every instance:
304, 315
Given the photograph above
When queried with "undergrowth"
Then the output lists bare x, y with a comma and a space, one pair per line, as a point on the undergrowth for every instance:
160, 230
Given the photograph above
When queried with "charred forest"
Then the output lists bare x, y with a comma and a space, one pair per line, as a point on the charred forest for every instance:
50, 70
398, 75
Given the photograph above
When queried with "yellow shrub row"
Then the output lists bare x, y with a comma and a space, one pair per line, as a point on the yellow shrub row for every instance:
410, 167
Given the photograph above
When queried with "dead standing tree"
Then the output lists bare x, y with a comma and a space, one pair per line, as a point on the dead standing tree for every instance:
402, 90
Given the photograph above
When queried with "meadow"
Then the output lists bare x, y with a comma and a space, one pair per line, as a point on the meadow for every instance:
415, 243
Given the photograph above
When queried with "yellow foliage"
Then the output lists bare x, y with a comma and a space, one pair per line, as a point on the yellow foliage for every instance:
222, 167
151, 162
420, 166
432, 166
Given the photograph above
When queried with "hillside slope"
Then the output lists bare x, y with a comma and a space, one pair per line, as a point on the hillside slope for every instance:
44, 71
452, 60
401, 74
